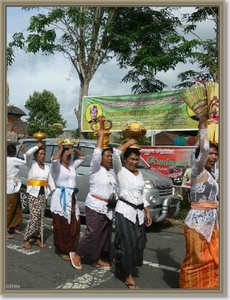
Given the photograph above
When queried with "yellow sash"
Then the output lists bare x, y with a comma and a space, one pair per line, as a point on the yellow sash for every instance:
37, 182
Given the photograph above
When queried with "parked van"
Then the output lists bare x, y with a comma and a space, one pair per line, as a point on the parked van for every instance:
164, 202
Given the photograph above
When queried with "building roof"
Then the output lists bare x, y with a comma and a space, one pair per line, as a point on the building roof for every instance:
14, 110
165, 138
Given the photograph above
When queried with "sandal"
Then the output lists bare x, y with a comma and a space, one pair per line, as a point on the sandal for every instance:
75, 263
26, 245
39, 244
132, 286
117, 270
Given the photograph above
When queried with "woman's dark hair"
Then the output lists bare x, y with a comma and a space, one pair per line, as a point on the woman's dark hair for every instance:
11, 150
130, 151
211, 145
106, 149
40, 148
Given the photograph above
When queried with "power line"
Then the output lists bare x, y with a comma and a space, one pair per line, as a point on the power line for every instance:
62, 68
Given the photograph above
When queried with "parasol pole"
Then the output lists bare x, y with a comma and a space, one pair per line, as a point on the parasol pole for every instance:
42, 227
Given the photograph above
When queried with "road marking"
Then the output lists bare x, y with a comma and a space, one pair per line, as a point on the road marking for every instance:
154, 265
21, 249
96, 277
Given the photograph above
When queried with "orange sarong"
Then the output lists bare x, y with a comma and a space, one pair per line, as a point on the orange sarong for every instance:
200, 268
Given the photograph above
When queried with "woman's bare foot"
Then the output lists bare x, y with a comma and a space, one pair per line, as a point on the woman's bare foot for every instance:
14, 230
9, 236
102, 264
17, 231
39, 243
26, 245
65, 256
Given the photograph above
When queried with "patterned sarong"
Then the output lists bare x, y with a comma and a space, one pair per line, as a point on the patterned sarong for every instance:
66, 236
130, 241
200, 267
37, 207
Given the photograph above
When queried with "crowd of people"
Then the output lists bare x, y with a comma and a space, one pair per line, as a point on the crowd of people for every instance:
114, 194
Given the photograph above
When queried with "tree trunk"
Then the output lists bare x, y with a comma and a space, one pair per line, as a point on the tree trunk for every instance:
84, 88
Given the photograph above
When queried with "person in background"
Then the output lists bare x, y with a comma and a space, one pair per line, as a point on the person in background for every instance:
64, 206
186, 177
14, 211
93, 114
130, 213
200, 266
96, 241
39, 185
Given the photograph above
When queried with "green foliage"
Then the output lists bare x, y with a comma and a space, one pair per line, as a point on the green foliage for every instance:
9, 57
203, 52
44, 110
146, 41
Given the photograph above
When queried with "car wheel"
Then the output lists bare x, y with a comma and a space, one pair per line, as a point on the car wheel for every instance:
24, 200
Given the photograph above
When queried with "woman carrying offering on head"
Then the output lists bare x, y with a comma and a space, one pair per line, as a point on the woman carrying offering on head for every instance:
40, 184
99, 209
130, 213
64, 206
200, 267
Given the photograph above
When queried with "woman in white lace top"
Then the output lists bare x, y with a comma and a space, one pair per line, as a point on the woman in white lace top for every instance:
199, 269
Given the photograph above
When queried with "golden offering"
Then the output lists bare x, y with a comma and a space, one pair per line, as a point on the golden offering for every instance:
39, 136
67, 142
57, 126
104, 124
135, 130
196, 98
203, 99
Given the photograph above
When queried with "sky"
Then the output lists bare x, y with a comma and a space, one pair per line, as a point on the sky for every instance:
35, 72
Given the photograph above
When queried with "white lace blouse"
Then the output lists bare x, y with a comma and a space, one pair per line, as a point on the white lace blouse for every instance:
203, 188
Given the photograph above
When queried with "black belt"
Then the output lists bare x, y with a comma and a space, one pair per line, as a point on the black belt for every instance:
139, 206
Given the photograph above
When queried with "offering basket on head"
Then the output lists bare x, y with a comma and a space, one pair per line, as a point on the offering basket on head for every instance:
67, 143
135, 130
203, 99
39, 136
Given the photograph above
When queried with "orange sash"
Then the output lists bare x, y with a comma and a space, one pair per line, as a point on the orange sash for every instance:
207, 204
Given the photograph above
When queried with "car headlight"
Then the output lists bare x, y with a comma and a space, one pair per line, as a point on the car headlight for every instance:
152, 200
149, 184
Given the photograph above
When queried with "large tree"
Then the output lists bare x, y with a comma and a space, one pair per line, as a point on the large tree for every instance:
44, 110
204, 52
91, 36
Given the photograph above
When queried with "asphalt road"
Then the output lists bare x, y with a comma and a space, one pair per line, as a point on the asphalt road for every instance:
43, 271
